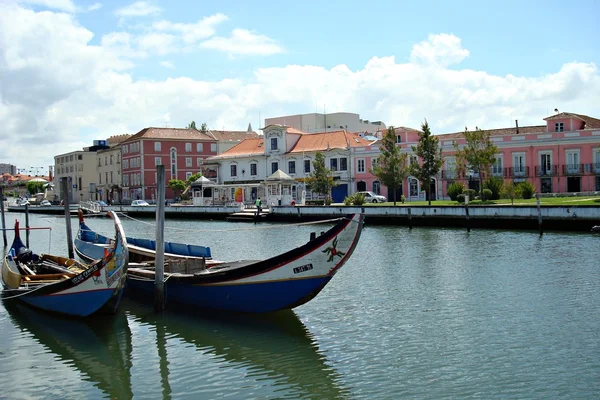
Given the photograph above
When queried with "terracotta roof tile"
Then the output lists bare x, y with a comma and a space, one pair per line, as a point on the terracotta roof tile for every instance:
498, 132
246, 147
169, 133
341, 139
232, 136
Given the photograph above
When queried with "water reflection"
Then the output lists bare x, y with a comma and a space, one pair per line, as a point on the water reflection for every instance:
277, 352
188, 355
99, 348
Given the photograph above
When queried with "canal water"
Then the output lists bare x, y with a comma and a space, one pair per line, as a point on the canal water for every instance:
424, 313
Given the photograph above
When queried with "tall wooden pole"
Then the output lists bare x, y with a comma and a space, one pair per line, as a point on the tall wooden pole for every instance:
64, 188
159, 281
27, 224
2, 212
539, 212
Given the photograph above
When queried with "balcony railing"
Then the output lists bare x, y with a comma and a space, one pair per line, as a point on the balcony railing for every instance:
572, 169
518, 172
593, 168
551, 170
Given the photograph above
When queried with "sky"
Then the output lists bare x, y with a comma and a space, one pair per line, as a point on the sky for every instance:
72, 72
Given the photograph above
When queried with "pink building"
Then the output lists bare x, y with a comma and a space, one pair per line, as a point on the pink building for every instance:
561, 156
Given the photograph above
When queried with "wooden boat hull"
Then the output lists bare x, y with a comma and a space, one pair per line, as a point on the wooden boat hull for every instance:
281, 282
98, 286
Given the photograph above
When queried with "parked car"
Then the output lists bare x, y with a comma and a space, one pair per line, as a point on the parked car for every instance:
45, 203
371, 197
101, 203
139, 203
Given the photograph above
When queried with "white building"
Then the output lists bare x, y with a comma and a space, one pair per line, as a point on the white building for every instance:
317, 122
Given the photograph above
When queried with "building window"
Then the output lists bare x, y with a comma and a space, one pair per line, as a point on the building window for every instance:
343, 164
199, 147
545, 164
188, 162
233, 169
273, 143
414, 187
360, 166
188, 175
188, 147
156, 146
173, 160
157, 161
111, 177
307, 166
253, 169
79, 181
333, 164
213, 147
373, 162
111, 159
274, 167
497, 166
291, 167
398, 139
100, 179
99, 161
80, 156
106, 177
559, 127
198, 162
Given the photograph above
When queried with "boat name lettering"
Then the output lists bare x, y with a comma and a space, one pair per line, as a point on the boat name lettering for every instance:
85, 274
303, 268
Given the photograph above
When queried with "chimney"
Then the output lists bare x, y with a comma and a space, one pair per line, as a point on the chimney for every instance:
517, 124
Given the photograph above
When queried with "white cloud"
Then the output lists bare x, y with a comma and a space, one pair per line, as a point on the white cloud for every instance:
167, 64
61, 5
94, 7
138, 9
56, 85
441, 50
191, 33
243, 42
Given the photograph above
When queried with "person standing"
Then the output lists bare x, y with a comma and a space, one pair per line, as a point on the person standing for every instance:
258, 206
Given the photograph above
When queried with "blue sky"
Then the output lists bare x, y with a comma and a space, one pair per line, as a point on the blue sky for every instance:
525, 38
75, 71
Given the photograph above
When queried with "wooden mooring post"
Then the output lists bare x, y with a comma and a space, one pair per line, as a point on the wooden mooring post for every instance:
27, 224
409, 218
467, 213
64, 189
159, 261
3, 220
539, 213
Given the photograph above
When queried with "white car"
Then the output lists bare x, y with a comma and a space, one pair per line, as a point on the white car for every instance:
371, 197
45, 203
139, 203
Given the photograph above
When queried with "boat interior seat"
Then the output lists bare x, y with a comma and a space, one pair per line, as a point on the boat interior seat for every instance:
177, 248
198, 251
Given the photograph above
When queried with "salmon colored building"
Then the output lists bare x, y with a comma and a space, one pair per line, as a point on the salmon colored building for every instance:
560, 156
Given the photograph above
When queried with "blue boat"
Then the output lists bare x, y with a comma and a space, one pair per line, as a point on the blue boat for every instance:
65, 285
282, 282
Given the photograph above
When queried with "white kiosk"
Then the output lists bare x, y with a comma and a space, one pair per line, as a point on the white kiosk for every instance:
279, 189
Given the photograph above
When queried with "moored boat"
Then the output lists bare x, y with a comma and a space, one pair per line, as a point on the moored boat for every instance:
65, 285
281, 282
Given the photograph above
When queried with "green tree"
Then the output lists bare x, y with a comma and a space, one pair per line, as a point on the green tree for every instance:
320, 179
193, 178
35, 187
177, 185
477, 154
429, 151
391, 167
203, 128
510, 191
191, 125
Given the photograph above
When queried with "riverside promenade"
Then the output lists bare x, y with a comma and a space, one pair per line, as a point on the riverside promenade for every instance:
570, 218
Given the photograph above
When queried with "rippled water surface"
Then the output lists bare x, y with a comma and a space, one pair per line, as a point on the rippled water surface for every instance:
422, 313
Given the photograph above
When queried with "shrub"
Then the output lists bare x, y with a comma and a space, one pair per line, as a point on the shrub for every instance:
460, 198
494, 184
357, 199
486, 194
348, 200
454, 189
527, 189
472, 194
